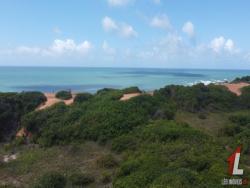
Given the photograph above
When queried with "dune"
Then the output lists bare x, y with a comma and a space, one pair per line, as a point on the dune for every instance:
51, 100
236, 87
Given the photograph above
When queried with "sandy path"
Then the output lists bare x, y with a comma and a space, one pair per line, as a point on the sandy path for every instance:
236, 87
126, 97
51, 100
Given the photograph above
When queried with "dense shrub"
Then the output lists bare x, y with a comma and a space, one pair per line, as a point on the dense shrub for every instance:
163, 131
231, 130
171, 154
124, 142
198, 97
30, 100
165, 111
82, 97
101, 118
64, 95
242, 79
105, 91
13, 106
131, 90
245, 97
108, 94
51, 180
240, 130
241, 119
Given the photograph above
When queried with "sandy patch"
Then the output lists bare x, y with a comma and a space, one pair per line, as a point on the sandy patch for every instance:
51, 100
126, 97
8, 158
236, 87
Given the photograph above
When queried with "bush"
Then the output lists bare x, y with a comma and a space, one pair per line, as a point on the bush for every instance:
242, 79
198, 97
82, 97
131, 90
79, 179
166, 111
124, 142
13, 106
64, 95
51, 180
245, 97
241, 119
169, 131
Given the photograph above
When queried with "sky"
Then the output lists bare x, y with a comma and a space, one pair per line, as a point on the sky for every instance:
126, 33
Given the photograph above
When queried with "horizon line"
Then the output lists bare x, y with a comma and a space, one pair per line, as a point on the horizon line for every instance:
108, 67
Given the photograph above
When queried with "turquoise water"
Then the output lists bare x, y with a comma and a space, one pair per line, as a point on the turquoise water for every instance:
51, 79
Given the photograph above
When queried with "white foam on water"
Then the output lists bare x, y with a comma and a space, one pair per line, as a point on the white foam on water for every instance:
207, 82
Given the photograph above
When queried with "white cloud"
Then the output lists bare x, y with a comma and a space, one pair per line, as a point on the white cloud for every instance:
127, 31
217, 44
69, 46
221, 44
229, 45
108, 24
188, 28
160, 21
117, 3
122, 29
107, 49
57, 48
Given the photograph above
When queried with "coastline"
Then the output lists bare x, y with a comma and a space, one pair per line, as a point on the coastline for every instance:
51, 98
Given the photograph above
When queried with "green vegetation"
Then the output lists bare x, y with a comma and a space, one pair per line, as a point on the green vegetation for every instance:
131, 90
199, 97
79, 179
13, 106
82, 97
51, 180
180, 137
64, 95
245, 97
245, 79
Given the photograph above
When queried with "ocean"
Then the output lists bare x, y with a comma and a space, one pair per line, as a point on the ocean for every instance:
52, 79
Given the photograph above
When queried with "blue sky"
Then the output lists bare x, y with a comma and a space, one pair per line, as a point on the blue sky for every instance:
125, 33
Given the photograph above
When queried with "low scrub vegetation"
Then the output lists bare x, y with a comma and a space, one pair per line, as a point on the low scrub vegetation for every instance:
64, 95
148, 144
